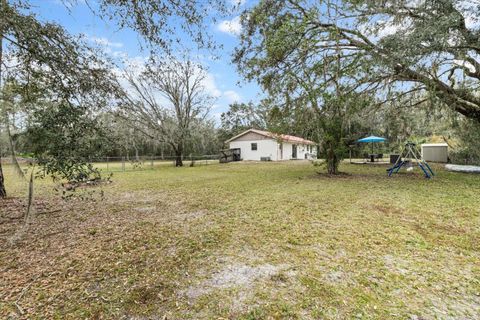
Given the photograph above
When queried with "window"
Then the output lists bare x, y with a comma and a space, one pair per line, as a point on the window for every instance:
254, 146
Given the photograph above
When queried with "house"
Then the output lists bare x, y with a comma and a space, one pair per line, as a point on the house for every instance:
263, 145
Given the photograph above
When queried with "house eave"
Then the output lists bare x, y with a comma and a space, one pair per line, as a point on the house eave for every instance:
274, 137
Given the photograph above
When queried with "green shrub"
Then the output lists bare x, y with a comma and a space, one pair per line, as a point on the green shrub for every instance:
468, 149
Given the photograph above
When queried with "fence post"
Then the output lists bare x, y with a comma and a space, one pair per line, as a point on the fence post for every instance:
123, 163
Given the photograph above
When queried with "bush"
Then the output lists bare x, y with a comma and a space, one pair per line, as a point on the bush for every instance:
468, 149
318, 162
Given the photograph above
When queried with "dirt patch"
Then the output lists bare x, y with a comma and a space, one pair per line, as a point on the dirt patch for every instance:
466, 306
336, 277
195, 214
145, 209
235, 275
396, 264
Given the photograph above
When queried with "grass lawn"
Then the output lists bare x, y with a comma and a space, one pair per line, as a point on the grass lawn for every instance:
248, 241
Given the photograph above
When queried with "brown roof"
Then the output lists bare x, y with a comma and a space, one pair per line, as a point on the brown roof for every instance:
276, 136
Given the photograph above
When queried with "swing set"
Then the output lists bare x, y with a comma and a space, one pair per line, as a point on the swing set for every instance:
407, 158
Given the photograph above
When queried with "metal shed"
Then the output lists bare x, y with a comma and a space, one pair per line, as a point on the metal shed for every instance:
435, 152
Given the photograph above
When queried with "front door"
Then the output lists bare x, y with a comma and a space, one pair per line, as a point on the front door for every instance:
294, 151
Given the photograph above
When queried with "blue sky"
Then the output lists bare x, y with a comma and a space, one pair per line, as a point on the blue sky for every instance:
223, 79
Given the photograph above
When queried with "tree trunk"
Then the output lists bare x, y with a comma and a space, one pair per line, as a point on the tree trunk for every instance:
134, 145
332, 160
332, 166
15, 163
178, 160
3, 192
178, 157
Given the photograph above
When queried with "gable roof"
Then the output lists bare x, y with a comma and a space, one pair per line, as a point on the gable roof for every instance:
274, 136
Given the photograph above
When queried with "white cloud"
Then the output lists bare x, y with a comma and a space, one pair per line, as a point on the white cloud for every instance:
217, 116
120, 54
465, 64
471, 21
232, 27
210, 86
388, 30
469, 10
383, 28
232, 96
102, 41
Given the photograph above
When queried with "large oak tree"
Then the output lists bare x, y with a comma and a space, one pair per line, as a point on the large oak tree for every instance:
390, 48
52, 72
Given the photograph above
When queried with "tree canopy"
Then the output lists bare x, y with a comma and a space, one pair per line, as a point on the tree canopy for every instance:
166, 100
162, 22
389, 48
55, 82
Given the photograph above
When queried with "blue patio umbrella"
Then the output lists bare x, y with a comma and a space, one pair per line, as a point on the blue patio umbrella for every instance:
371, 139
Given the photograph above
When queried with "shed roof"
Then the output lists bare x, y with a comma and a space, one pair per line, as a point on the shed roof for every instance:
275, 136
434, 145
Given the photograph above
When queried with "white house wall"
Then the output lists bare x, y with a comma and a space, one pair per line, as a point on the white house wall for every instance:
265, 148
270, 148
287, 151
302, 150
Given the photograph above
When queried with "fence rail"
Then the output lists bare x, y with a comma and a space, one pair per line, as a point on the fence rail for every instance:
113, 164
